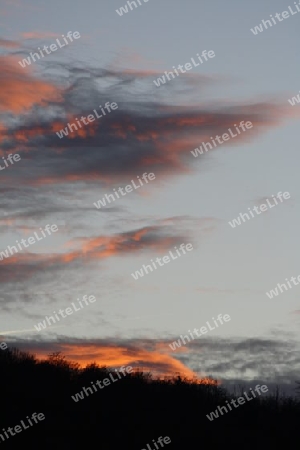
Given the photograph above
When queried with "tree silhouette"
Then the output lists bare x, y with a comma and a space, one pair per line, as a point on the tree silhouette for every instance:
134, 410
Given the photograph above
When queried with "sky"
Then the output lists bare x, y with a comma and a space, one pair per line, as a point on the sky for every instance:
191, 200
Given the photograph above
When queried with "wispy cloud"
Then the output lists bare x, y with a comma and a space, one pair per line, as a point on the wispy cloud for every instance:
24, 265
39, 35
146, 135
6, 43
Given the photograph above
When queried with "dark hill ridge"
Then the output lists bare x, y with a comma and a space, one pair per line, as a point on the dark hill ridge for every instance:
132, 411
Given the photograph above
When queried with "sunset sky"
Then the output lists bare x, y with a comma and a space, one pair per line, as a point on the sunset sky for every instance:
191, 199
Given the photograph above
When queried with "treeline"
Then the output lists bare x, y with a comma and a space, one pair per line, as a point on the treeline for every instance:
134, 411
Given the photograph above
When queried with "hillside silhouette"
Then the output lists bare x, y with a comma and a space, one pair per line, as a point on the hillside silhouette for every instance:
134, 411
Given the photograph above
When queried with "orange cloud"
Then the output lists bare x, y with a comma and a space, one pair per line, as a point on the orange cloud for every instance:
114, 356
20, 90
91, 249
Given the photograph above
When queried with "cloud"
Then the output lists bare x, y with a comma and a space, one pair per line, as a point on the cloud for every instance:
139, 354
145, 134
20, 90
231, 361
39, 35
6, 43
86, 250
268, 359
141, 135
